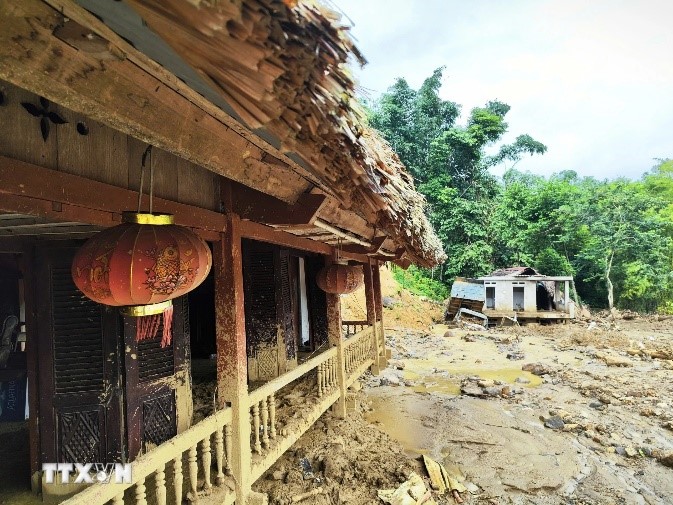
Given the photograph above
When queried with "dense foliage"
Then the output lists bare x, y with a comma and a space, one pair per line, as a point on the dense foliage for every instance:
614, 236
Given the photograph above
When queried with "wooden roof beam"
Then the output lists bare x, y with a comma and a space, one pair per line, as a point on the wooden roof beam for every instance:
110, 88
256, 206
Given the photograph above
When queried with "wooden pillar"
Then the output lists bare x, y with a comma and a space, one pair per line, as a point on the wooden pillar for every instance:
232, 368
370, 300
566, 295
378, 301
334, 335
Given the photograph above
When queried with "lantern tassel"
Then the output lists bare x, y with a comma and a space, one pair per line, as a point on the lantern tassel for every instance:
168, 327
147, 326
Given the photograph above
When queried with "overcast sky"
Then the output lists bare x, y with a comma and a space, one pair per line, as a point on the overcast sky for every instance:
591, 79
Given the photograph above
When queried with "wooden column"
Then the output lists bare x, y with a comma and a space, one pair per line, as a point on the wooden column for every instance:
370, 300
232, 369
335, 338
566, 295
379, 311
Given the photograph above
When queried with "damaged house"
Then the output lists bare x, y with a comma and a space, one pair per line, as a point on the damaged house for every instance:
238, 119
519, 293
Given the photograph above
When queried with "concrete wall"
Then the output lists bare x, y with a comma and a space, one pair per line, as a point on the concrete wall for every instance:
504, 294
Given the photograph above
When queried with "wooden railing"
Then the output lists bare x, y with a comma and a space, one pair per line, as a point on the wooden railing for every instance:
166, 461
157, 477
358, 353
274, 431
352, 327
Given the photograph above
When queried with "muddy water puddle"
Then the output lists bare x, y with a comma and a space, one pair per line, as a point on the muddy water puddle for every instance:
432, 375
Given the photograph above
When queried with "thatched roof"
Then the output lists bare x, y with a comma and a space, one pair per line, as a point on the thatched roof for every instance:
282, 67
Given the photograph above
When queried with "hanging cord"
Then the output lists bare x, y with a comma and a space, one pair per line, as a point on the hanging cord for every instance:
151, 183
148, 152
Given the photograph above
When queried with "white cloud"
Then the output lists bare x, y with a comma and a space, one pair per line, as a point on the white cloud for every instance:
592, 80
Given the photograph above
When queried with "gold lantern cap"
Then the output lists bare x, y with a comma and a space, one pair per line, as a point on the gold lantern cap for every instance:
145, 310
153, 218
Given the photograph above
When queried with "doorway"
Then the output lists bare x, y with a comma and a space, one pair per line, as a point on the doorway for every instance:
518, 298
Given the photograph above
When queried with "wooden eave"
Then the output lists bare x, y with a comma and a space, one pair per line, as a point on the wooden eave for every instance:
60, 50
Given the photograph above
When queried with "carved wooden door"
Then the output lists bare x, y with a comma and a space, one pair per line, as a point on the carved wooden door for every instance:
157, 383
78, 364
269, 288
286, 303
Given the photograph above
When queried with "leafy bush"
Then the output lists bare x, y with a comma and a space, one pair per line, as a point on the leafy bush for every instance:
419, 282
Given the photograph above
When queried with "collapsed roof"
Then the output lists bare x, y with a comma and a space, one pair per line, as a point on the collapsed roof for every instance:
281, 66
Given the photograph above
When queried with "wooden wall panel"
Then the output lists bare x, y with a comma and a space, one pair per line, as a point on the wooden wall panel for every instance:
102, 154
197, 185
20, 135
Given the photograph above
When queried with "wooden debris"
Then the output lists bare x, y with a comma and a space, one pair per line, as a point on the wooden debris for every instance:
304, 496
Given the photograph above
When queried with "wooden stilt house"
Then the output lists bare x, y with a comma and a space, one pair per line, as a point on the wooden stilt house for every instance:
243, 114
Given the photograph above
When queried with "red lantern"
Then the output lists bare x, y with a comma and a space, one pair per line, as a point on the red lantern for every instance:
339, 278
141, 265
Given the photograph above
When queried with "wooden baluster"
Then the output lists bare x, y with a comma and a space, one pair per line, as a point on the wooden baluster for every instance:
320, 390
255, 427
332, 363
219, 457
160, 483
177, 479
141, 496
329, 374
325, 373
206, 461
228, 446
272, 416
265, 422
193, 468
119, 499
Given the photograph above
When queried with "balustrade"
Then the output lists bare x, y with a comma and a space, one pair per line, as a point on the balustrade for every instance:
352, 327
165, 461
203, 452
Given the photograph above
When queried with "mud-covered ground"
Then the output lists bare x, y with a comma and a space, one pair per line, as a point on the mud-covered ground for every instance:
564, 414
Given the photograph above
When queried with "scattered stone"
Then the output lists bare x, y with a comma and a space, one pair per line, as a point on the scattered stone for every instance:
471, 389
665, 458
388, 302
631, 452
535, 368
449, 334
390, 380
597, 405
398, 365
278, 475
514, 356
554, 423
522, 380
469, 338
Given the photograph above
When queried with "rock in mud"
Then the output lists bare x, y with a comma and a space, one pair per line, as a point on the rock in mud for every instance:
449, 334
666, 458
514, 356
554, 423
471, 389
388, 302
536, 368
